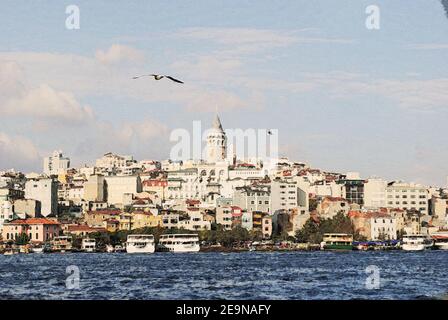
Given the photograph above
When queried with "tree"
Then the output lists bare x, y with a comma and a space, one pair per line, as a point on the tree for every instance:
22, 239
102, 238
312, 204
313, 231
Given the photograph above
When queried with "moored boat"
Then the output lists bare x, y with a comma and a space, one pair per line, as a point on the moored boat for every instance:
37, 249
61, 244
416, 242
140, 243
440, 240
178, 243
337, 241
119, 248
88, 245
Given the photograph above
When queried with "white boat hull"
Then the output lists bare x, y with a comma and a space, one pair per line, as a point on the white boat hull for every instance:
179, 248
413, 247
148, 248
37, 250
441, 245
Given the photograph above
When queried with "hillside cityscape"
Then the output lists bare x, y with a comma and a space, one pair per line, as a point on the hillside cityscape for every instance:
224, 199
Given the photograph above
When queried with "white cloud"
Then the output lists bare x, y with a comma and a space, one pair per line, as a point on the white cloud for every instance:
45, 103
18, 152
144, 138
11, 76
118, 53
251, 40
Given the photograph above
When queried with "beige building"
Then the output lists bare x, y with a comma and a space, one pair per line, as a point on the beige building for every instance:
266, 230
27, 208
439, 210
224, 217
118, 186
328, 207
46, 191
97, 218
94, 188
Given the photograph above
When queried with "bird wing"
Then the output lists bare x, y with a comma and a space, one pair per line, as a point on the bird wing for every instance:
173, 79
144, 75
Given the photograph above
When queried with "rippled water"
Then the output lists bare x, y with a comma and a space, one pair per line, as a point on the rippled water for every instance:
251, 275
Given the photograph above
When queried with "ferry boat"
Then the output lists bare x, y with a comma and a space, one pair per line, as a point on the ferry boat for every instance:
337, 241
179, 243
140, 243
61, 244
88, 245
37, 249
441, 241
416, 242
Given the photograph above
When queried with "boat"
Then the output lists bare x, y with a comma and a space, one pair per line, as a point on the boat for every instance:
416, 242
10, 252
441, 241
119, 248
88, 245
361, 246
61, 244
24, 249
179, 243
337, 241
110, 248
140, 243
38, 249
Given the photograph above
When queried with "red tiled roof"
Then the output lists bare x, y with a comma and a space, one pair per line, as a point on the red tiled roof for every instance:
84, 228
367, 215
34, 221
334, 198
106, 212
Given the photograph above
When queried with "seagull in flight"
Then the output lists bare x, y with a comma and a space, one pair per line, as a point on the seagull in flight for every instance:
158, 77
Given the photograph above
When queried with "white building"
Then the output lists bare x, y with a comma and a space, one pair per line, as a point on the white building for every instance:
253, 199
195, 221
375, 193
6, 212
46, 191
407, 196
283, 195
118, 186
383, 228
56, 164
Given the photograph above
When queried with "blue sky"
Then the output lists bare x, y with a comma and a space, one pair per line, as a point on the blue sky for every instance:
343, 97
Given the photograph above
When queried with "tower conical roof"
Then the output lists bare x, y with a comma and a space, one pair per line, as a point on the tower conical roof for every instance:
217, 123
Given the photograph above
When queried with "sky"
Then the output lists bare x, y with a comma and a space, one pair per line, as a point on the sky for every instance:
343, 97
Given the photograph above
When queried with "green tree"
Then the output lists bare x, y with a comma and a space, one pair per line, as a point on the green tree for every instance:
313, 231
22, 239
